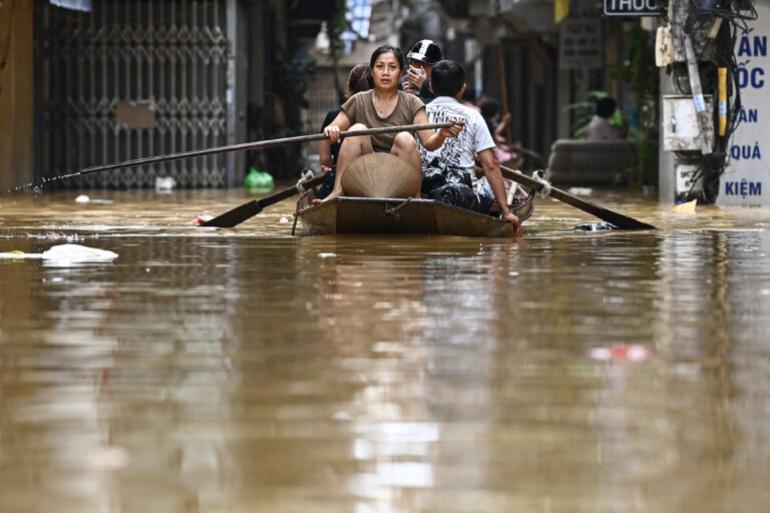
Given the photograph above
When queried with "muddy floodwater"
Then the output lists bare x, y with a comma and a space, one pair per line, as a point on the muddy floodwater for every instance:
245, 370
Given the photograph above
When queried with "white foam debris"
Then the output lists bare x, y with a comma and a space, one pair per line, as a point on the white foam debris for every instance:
78, 253
84, 199
65, 253
164, 184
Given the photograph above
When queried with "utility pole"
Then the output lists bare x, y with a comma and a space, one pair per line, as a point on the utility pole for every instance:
700, 84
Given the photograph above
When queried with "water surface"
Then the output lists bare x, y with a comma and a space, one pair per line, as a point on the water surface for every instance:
247, 370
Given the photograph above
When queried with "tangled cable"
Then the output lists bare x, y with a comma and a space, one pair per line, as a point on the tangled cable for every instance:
733, 17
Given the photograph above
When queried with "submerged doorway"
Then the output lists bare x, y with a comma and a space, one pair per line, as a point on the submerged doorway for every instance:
131, 79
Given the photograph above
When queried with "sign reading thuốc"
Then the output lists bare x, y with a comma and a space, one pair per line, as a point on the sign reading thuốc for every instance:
633, 8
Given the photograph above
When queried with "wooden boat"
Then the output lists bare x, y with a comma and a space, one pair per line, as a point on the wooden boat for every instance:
349, 215
378, 187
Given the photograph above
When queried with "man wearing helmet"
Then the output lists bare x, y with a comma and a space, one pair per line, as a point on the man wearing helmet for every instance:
424, 54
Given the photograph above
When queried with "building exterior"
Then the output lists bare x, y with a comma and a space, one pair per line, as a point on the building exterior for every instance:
542, 62
16, 102
124, 79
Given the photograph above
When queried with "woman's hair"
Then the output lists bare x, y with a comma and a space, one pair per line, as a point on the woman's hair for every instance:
359, 79
388, 49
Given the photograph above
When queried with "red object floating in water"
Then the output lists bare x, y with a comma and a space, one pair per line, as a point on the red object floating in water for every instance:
201, 218
633, 353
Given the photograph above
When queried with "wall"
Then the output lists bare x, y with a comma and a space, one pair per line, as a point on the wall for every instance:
16, 93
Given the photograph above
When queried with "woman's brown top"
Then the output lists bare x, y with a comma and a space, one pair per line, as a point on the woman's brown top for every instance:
360, 109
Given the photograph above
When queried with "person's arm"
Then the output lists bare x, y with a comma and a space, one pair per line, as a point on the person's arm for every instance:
340, 124
324, 148
495, 179
325, 155
433, 140
503, 126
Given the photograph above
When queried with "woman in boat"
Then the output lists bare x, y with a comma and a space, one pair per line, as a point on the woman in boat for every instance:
383, 106
359, 80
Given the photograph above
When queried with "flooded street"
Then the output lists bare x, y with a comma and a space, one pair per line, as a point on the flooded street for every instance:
240, 370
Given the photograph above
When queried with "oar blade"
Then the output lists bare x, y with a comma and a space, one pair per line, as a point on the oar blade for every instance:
621, 221
248, 210
235, 216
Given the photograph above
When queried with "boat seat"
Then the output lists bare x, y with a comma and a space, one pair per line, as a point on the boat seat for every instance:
578, 162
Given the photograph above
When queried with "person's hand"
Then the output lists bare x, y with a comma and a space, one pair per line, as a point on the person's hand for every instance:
506, 118
333, 133
510, 217
326, 169
416, 77
454, 130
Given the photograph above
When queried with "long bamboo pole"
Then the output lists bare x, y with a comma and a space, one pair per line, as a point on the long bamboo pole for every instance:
256, 145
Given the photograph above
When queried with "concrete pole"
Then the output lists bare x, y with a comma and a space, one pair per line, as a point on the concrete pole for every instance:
666, 171
677, 14
237, 39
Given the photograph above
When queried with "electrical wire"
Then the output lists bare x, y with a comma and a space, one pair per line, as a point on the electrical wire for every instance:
735, 16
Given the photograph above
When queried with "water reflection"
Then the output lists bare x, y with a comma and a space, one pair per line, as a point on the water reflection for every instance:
249, 371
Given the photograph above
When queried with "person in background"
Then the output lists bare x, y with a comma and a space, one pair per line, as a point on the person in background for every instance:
497, 125
458, 156
383, 106
470, 100
424, 54
600, 128
359, 80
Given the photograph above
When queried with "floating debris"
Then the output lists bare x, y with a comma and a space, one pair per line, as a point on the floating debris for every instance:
595, 227
64, 253
200, 219
164, 184
580, 191
83, 199
686, 208
633, 353
258, 182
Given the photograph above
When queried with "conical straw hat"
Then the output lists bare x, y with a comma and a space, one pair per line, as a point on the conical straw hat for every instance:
380, 175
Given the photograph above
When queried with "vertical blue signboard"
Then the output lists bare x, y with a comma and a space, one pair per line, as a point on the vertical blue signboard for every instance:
746, 181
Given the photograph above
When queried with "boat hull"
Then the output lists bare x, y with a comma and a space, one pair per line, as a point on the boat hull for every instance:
349, 215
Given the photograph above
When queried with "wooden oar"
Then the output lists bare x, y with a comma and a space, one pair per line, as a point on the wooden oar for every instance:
616, 218
247, 210
256, 145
